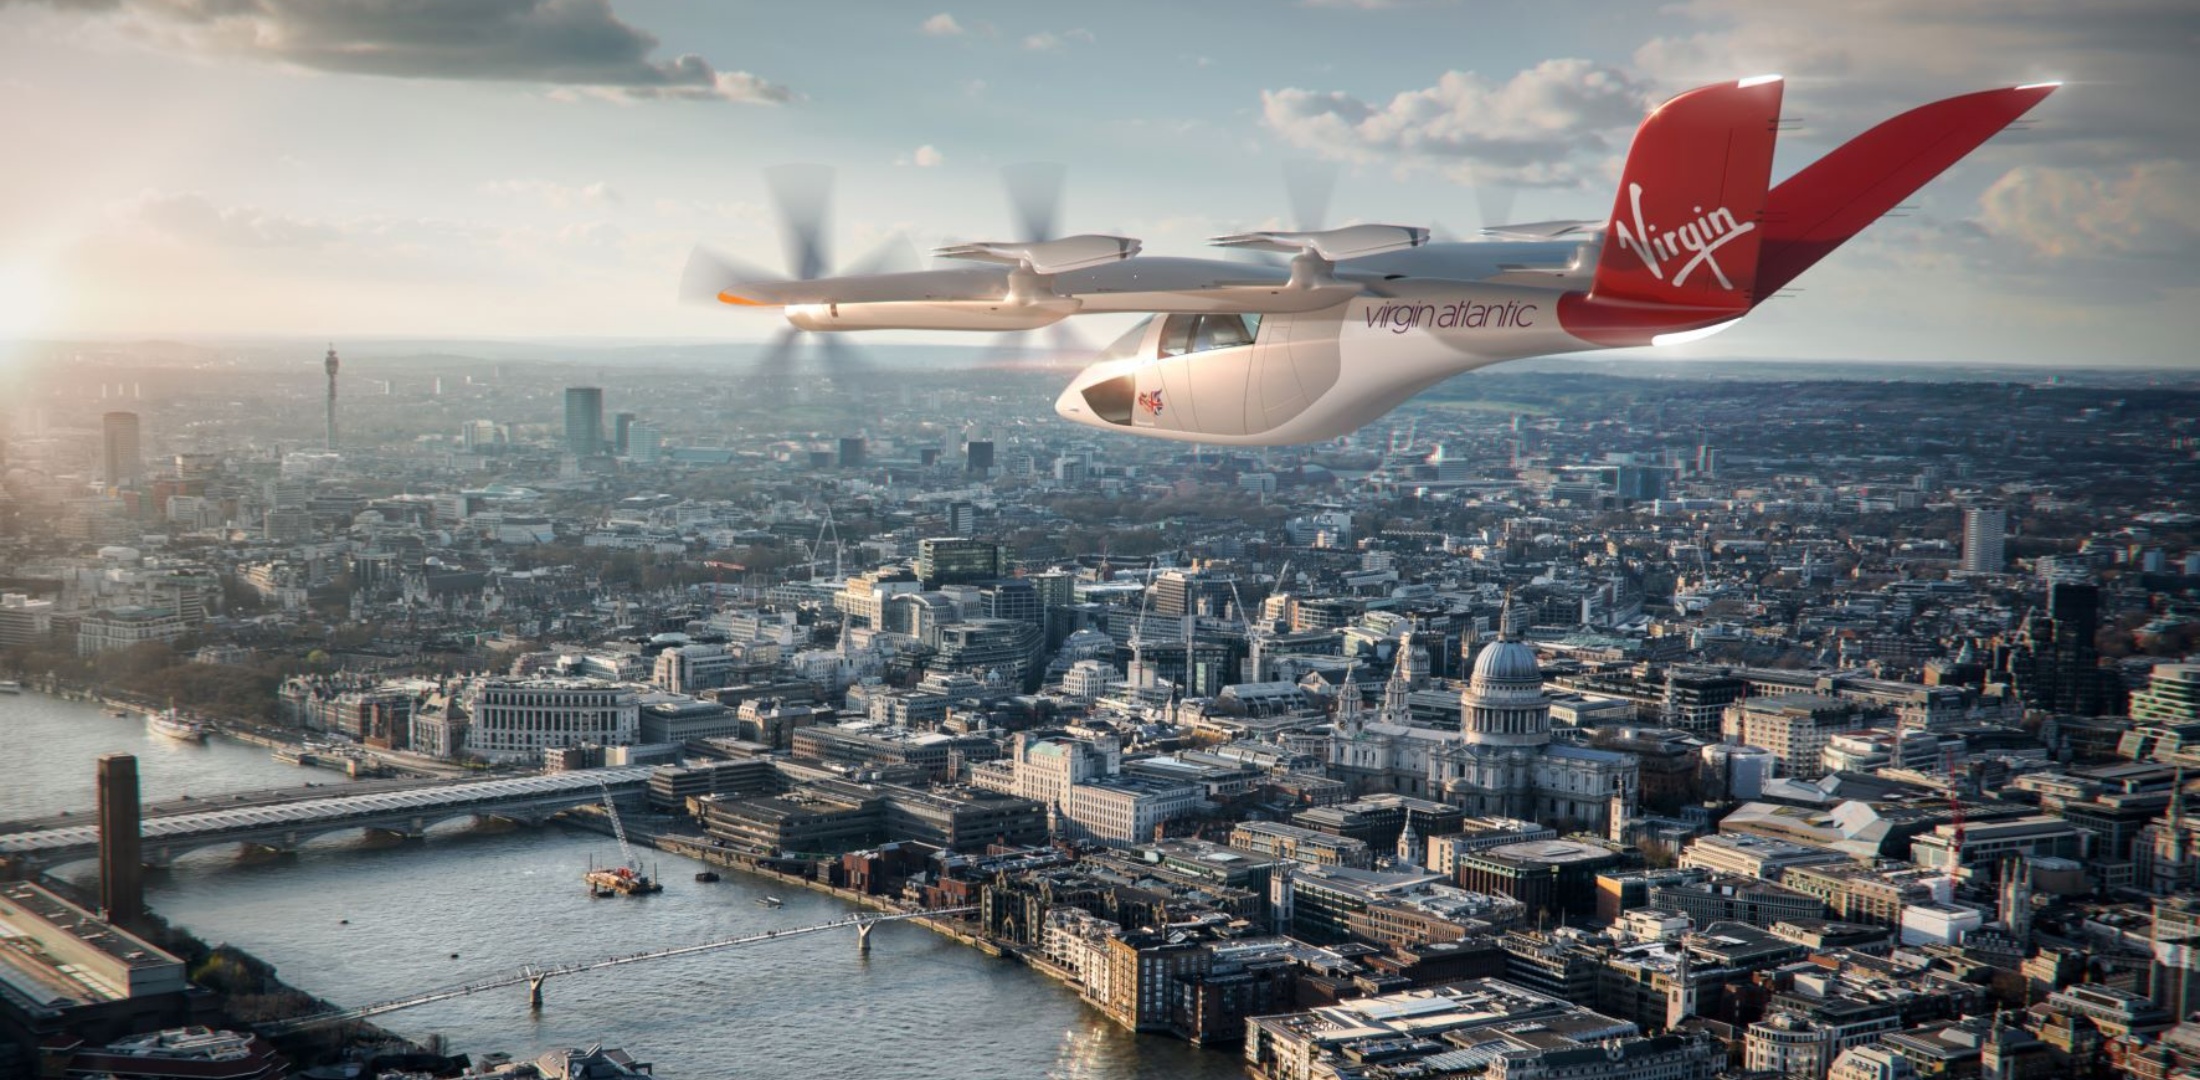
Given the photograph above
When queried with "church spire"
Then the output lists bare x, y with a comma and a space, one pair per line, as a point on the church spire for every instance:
1508, 620
1348, 700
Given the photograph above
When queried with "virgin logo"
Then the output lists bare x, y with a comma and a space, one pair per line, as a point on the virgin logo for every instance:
1696, 242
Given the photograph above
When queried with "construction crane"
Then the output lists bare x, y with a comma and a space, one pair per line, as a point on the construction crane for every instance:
628, 878
1955, 835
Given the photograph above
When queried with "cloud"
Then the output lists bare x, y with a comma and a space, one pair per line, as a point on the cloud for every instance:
926, 157
942, 25
2096, 193
2128, 63
1048, 40
2148, 209
579, 44
191, 218
1545, 127
555, 195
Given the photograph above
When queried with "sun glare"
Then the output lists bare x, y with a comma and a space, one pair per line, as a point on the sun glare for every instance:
25, 298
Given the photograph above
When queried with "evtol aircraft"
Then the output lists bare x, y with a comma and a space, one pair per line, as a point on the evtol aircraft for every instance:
1361, 318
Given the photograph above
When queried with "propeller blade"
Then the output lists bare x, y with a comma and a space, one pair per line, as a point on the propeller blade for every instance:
844, 363
1035, 196
709, 272
893, 255
1311, 186
803, 195
777, 360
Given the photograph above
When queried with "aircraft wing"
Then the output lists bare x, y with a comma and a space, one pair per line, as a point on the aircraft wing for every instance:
1147, 284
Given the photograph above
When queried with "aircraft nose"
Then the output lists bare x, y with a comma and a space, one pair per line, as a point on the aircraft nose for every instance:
1070, 405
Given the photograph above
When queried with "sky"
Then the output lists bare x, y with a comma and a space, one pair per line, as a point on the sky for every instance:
536, 169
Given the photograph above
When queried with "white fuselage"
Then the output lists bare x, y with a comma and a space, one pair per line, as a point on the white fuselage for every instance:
1320, 375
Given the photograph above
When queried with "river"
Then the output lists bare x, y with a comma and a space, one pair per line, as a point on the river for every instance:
355, 922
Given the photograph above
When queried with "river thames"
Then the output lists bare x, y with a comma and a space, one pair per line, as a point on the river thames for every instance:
356, 923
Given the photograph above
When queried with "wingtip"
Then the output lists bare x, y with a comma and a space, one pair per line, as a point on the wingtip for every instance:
742, 301
2043, 87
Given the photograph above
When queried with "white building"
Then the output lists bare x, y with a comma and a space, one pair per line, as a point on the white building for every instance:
1083, 786
1501, 762
515, 719
1983, 531
121, 628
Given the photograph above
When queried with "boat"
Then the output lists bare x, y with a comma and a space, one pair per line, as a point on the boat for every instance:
769, 901
624, 880
10, 686
175, 725
707, 876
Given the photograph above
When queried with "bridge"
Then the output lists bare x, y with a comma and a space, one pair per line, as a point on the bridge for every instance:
533, 977
284, 826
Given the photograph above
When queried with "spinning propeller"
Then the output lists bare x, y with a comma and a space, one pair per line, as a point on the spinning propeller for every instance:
802, 196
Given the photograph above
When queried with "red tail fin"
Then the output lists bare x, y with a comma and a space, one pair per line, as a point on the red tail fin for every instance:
1684, 230
1821, 207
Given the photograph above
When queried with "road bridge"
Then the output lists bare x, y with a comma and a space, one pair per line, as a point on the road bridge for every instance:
533, 977
284, 826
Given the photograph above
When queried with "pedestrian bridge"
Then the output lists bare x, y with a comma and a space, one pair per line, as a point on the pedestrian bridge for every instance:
284, 826
533, 976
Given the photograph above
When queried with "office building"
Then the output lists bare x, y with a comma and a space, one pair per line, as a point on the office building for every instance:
1984, 529
1794, 727
851, 452
2055, 663
954, 560
978, 457
583, 421
518, 719
122, 459
622, 426
2171, 696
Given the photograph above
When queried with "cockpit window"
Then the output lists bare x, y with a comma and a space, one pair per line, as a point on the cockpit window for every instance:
1200, 333
1127, 346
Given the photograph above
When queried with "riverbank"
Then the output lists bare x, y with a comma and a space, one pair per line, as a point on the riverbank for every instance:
593, 820
250, 992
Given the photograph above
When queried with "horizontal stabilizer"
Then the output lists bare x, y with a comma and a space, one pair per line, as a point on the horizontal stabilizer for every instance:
1837, 196
1335, 245
1048, 256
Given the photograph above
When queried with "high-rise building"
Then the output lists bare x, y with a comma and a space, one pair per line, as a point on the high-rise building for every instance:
479, 434
122, 463
584, 420
951, 560
851, 452
121, 863
2058, 666
978, 457
622, 427
1983, 530
329, 364
643, 440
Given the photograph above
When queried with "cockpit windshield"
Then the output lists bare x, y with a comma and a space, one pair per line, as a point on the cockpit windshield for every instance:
1201, 333
1126, 347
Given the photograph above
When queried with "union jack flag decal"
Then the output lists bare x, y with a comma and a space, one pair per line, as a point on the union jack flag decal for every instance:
1150, 400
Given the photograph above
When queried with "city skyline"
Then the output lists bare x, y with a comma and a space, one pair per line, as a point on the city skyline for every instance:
549, 183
